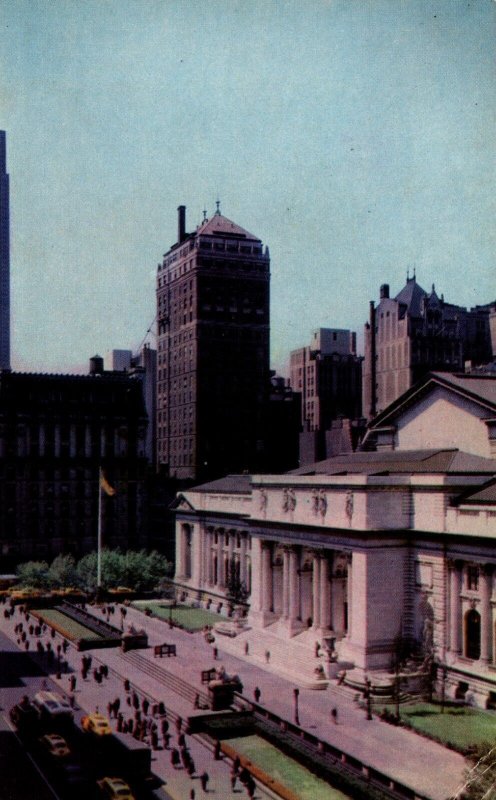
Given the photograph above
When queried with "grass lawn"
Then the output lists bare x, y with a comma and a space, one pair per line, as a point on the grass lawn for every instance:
461, 726
193, 619
74, 630
285, 770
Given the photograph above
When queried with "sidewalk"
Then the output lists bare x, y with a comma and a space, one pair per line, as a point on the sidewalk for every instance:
428, 768
89, 695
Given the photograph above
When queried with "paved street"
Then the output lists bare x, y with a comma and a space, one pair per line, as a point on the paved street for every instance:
426, 767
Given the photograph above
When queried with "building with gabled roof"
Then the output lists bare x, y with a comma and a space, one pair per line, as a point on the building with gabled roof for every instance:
418, 332
369, 552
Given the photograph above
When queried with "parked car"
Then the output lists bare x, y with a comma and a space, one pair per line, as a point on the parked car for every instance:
55, 745
96, 723
115, 789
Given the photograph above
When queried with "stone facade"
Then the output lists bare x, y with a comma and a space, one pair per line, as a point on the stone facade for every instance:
368, 549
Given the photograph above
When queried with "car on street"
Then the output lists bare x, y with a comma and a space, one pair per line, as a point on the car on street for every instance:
115, 789
55, 745
96, 723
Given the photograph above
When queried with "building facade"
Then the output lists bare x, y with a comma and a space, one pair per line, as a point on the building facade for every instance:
413, 334
365, 550
56, 431
328, 374
213, 373
4, 257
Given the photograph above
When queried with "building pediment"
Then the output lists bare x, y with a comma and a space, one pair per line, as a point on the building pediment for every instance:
181, 503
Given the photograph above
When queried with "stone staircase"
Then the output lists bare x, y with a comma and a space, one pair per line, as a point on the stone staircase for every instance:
290, 659
164, 677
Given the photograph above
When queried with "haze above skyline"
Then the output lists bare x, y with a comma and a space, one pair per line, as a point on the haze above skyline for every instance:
356, 139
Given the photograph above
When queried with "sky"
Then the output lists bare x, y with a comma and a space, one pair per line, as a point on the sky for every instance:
354, 137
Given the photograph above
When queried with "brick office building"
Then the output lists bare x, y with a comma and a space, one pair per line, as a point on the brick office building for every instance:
213, 375
55, 433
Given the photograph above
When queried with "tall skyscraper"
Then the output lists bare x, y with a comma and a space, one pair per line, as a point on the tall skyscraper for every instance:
213, 372
4, 257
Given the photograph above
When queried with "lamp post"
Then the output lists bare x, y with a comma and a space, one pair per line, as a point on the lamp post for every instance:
296, 693
444, 674
368, 698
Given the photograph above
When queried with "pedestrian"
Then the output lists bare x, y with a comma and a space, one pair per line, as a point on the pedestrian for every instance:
236, 764
216, 653
181, 740
117, 705
135, 700
164, 725
250, 787
127, 685
196, 704
267, 656
234, 777
119, 722
72, 682
204, 779
334, 715
247, 648
166, 737
190, 766
217, 750
317, 649
179, 722
192, 794
145, 706
256, 694
65, 645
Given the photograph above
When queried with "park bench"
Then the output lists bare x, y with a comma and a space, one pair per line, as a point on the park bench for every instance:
208, 675
164, 650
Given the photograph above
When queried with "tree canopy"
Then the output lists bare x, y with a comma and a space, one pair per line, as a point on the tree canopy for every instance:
138, 570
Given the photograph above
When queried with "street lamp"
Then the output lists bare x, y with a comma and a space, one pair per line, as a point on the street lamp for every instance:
296, 693
368, 697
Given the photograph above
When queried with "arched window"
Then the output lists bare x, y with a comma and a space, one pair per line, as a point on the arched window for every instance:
472, 634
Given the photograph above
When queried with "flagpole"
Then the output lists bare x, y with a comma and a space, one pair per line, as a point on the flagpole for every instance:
99, 537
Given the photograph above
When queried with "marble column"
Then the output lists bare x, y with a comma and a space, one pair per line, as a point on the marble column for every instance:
455, 629
294, 586
324, 593
486, 613
242, 560
316, 591
267, 598
285, 584
220, 560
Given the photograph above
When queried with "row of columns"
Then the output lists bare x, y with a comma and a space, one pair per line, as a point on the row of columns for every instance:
321, 586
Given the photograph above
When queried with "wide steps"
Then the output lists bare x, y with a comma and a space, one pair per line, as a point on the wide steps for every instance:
164, 677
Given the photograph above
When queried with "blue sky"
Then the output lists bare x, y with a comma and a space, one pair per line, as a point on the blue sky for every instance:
354, 137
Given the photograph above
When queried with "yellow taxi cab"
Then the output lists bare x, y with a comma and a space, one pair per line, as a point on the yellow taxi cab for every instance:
55, 745
115, 789
96, 723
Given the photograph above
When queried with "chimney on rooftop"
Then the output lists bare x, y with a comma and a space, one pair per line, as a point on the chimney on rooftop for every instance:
181, 223
384, 291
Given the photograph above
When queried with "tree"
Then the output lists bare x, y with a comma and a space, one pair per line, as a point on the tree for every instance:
33, 575
236, 589
62, 572
137, 569
480, 780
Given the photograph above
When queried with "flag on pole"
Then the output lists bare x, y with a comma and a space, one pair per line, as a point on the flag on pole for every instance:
105, 485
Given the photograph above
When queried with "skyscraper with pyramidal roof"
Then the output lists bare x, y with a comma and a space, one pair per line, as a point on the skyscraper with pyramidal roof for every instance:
213, 350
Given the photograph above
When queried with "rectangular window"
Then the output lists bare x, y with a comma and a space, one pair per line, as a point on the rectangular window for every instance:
472, 578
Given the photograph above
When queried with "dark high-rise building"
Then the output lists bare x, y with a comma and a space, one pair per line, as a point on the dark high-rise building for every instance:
213, 374
56, 431
4, 257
